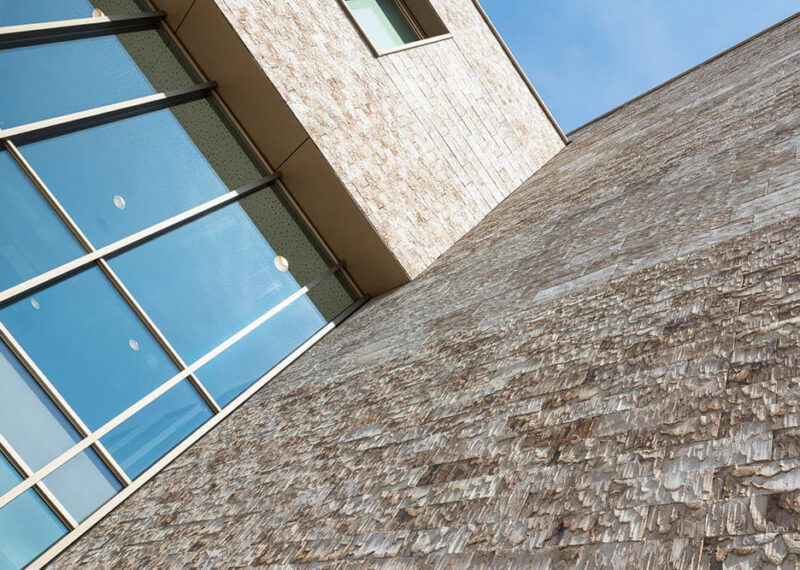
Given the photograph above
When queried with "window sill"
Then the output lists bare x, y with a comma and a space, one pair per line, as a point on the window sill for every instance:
411, 45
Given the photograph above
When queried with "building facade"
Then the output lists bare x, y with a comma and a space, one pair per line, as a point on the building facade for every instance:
195, 192
603, 373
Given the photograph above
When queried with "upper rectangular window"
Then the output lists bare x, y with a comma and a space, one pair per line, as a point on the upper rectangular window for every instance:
392, 24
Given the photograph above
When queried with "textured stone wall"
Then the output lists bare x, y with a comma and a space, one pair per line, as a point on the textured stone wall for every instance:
427, 140
603, 373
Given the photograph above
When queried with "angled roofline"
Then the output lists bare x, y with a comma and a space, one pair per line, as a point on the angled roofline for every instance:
685, 73
517, 66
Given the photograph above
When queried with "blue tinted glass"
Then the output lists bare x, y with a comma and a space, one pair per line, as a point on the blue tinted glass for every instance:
32, 237
8, 475
203, 282
90, 344
230, 373
83, 484
58, 78
151, 433
27, 528
16, 12
121, 177
28, 418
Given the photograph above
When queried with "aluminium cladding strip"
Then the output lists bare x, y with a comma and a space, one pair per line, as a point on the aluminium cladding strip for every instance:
94, 437
107, 113
26, 34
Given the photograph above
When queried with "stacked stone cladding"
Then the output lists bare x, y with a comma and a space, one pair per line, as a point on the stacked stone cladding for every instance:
427, 140
605, 372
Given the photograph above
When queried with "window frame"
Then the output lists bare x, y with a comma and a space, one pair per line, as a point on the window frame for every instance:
408, 13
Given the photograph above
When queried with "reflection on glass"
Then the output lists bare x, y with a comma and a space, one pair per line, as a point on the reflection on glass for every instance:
86, 73
228, 277
32, 237
27, 527
383, 22
16, 12
80, 338
83, 484
8, 476
291, 239
28, 419
203, 282
119, 178
230, 373
150, 434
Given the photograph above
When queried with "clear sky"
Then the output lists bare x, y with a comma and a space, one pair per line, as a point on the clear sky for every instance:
588, 56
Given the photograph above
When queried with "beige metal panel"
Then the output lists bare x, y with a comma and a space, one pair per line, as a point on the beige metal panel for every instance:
242, 84
321, 195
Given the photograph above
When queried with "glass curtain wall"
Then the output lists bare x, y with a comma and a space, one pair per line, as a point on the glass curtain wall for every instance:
152, 269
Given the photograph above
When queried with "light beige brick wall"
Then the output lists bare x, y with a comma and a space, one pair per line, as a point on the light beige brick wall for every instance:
427, 140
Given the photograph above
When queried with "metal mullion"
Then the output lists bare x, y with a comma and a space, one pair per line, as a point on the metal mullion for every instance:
13, 457
55, 505
48, 195
26, 34
16, 460
157, 334
106, 113
123, 244
111, 463
129, 412
60, 402
39, 376
256, 152
124, 293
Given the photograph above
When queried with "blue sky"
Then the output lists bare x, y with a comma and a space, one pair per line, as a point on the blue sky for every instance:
588, 56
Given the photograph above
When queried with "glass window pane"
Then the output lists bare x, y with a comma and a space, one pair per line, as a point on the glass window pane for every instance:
83, 484
29, 420
53, 79
233, 371
90, 344
203, 282
149, 435
32, 237
230, 274
27, 528
383, 22
8, 475
124, 176
16, 12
